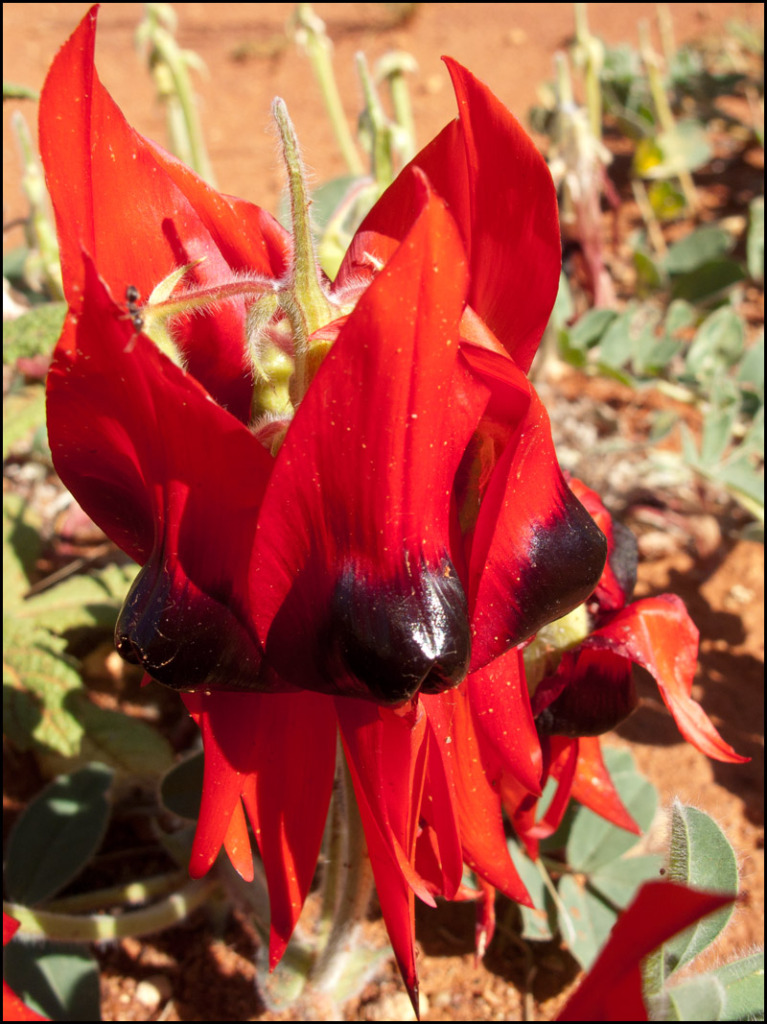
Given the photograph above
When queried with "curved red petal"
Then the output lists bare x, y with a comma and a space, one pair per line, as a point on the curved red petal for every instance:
536, 553
361, 565
658, 634
501, 705
499, 190
612, 989
141, 215
593, 787
477, 773
386, 752
160, 467
591, 692
294, 736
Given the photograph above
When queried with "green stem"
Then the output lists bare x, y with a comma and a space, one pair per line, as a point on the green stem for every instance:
311, 34
662, 105
305, 303
381, 149
170, 70
42, 236
391, 69
592, 55
46, 924
357, 889
118, 895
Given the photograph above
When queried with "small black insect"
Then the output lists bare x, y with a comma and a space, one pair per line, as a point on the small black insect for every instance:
132, 298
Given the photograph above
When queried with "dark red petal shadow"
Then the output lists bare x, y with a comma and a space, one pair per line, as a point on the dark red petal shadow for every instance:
536, 553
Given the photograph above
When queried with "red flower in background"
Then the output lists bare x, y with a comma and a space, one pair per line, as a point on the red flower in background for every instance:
376, 577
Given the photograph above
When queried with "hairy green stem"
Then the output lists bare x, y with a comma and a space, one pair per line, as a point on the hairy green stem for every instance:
46, 924
311, 34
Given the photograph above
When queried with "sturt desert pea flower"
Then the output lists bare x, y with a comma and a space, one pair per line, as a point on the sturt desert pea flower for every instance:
374, 578
580, 672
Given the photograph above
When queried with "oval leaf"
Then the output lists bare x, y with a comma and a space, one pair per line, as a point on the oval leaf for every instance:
702, 858
57, 834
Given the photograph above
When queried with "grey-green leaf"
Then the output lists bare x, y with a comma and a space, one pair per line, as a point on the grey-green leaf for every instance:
538, 921
594, 841
57, 834
59, 980
181, 787
585, 920
701, 857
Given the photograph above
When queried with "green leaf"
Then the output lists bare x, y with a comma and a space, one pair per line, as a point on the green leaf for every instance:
538, 922
702, 858
93, 600
132, 748
751, 369
589, 328
615, 343
650, 275
57, 834
594, 841
700, 998
755, 239
21, 547
585, 921
38, 678
564, 307
59, 980
700, 246
667, 201
181, 787
709, 282
23, 415
743, 982
619, 880
34, 333
685, 147
718, 344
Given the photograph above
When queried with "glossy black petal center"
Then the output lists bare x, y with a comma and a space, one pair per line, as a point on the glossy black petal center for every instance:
402, 636
184, 638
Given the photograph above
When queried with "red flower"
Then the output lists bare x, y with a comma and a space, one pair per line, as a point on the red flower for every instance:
589, 688
413, 528
13, 1007
612, 989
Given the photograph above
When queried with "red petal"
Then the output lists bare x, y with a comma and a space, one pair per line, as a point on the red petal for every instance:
385, 751
141, 215
536, 552
277, 753
590, 693
500, 192
295, 739
593, 787
366, 470
501, 705
612, 990
160, 467
476, 771
658, 634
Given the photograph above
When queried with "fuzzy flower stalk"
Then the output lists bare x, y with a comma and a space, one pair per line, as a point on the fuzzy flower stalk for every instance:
343, 495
